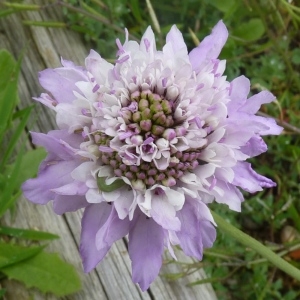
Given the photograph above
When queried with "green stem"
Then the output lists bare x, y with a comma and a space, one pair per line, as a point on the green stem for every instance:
250, 242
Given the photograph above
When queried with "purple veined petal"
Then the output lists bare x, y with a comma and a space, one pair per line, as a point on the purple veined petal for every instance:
254, 103
230, 196
74, 140
146, 245
53, 175
249, 180
195, 233
201, 210
208, 233
251, 122
161, 207
53, 145
60, 83
240, 88
273, 128
176, 39
61, 87
46, 100
94, 196
70, 64
148, 44
112, 230
164, 214
94, 217
66, 203
254, 146
210, 47
98, 66
236, 137
73, 188
122, 202
189, 234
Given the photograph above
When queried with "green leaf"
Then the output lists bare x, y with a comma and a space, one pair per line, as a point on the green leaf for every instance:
9, 194
223, 5
45, 24
47, 272
296, 56
109, 187
21, 6
136, 10
6, 12
9, 71
24, 115
2, 293
27, 234
11, 255
250, 31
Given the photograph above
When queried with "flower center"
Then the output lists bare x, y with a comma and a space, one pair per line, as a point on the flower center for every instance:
150, 146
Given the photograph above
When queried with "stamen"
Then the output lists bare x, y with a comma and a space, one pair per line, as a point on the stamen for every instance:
105, 149
96, 88
123, 59
148, 141
200, 86
198, 121
120, 46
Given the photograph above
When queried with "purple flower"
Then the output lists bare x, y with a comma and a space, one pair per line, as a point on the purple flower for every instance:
144, 144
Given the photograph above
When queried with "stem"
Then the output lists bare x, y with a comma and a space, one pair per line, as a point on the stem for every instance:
250, 242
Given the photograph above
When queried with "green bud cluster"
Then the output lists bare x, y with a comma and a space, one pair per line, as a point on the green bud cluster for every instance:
154, 113
101, 139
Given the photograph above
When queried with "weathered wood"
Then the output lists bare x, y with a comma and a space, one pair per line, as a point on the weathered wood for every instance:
112, 278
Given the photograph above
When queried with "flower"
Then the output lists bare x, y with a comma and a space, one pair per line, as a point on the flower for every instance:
144, 144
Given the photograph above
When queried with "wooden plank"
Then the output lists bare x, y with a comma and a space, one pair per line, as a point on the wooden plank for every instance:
112, 277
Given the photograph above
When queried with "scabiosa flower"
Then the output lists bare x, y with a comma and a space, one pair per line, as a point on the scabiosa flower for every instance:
144, 144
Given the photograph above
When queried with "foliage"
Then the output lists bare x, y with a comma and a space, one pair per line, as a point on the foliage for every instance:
263, 45
19, 259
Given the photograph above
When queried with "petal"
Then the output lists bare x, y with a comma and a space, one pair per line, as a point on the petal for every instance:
146, 245
240, 88
176, 39
60, 83
164, 214
124, 202
112, 230
253, 103
63, 203
210, 47
254, 146
201, 210
53, 145
73, 188
273, 128
94, 217
175, 198
208, 233
98, 66
94, 196
230, 195
249, 180
148, 41
38, 190
189, 237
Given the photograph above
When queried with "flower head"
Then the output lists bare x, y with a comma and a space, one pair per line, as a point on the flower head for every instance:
144, 144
